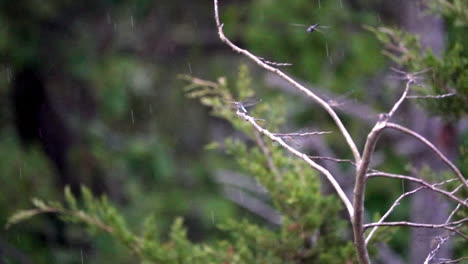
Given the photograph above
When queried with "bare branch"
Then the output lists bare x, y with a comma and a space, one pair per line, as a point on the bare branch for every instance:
420, 225
452, 261
302, 134
363, 167
332, 159
432, 254
432, 147
267, 153
390, 210
360, 189
275, 63
422, 182
402, 98
452, 226
397, 201
440, 96
302, 156
310, 94
453, 212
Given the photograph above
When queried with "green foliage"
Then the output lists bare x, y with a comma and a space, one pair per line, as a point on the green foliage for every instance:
447, 74
340, 57
452, 9
311, 230
293, 186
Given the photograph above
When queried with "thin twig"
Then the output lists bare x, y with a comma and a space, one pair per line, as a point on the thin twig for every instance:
432, 147
449, 226
275, 63
454, 212
302, 134
402, 98
268, 156
452, 261
433, 252
320, 101
397, 201
422, 182
332, 159
390, 210
440, 96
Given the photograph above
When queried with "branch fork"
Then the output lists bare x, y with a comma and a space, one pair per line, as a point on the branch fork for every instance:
355, 208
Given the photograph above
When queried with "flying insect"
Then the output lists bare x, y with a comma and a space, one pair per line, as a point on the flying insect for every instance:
311, 28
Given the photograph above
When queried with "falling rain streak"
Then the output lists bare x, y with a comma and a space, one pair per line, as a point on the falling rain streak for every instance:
319, 3
326, 48
241, 196
131, 21
133, 118
8, 75
189, 67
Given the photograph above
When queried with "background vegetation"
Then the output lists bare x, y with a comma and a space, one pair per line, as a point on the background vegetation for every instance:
101, 94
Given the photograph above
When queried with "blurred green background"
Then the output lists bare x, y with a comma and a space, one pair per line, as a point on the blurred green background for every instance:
89, 94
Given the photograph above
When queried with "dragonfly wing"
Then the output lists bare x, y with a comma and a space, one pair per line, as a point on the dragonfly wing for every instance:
297, 25
250, 102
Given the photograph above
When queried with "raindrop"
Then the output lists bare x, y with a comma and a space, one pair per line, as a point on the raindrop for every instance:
241, 196
319, 3
108, 18
150, 109
131, 21
20, 173
82, 260
133, 118
379, 19
341, 3
326, 48
189, 67
212, 218
8, 75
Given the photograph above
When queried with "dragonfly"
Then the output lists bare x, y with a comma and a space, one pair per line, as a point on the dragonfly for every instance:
242, 105
339, 101
310, 28
410, 76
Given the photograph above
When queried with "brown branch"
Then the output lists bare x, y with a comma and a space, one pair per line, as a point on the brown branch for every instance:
397, 201
440, 96
449, 226
390, 210
333, 159
432, 254
420, 181
452, 261
360, 184
305, 134
432, 147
